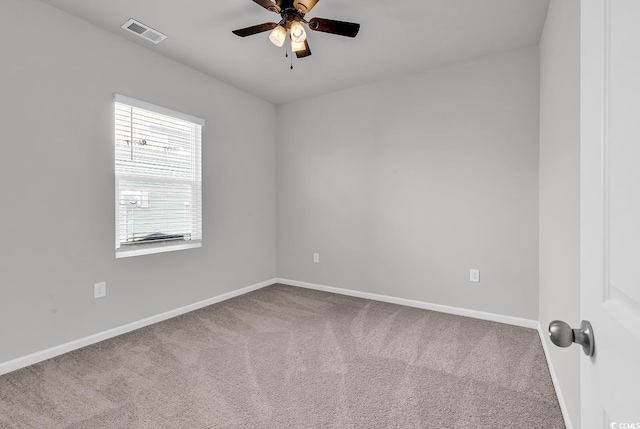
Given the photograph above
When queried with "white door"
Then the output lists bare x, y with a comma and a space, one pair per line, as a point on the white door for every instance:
610, 211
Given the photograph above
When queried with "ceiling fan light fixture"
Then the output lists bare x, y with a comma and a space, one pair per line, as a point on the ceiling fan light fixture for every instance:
292, 13
297, 46
278, 36
298, 34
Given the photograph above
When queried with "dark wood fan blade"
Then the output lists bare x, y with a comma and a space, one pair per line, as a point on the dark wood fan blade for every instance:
305, 53
341, 28
261, 28
269, 5
304, 6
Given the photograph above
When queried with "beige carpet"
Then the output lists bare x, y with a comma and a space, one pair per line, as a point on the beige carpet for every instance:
284, 357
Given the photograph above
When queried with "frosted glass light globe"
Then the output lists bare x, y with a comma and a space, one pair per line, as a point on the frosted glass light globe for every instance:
298, 34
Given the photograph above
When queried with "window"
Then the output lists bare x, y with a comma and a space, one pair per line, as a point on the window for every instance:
158, 179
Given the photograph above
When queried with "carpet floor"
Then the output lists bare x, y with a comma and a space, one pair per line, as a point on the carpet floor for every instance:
286, 357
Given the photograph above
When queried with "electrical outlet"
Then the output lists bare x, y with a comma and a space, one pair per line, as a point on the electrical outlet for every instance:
316, 258
100, 290
474, 275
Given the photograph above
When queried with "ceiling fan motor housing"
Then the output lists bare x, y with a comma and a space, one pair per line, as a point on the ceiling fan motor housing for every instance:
289, 13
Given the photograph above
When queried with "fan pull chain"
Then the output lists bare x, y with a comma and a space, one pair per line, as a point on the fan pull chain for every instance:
286, 55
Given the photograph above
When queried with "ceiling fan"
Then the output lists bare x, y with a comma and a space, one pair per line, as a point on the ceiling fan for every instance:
292, 13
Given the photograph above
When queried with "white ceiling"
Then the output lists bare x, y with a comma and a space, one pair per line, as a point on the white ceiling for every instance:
396, 38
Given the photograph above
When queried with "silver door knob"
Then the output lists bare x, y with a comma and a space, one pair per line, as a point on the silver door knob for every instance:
562, 335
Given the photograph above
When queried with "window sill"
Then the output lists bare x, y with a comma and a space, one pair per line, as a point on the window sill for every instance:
149, 250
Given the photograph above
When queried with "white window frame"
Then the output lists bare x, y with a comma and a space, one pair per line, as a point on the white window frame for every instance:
155, 247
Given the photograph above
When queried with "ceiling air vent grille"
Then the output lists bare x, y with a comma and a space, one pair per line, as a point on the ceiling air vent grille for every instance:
144, 31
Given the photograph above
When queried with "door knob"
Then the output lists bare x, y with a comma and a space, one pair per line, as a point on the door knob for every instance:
562, 335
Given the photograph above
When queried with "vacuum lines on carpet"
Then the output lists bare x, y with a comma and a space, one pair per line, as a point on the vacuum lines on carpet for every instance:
286, 357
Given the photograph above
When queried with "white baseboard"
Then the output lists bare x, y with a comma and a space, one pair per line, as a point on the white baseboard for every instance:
21, 362
510, 320
556, 386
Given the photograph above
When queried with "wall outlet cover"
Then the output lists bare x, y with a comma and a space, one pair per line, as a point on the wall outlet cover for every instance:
100, 290
474, 275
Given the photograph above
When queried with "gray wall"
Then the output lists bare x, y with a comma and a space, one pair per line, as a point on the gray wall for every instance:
401, 186
560, 188
404, 185
58, 78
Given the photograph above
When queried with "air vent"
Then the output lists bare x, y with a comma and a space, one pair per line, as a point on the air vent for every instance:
144, 31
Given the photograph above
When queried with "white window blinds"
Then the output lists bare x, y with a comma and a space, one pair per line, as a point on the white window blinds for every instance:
158, 178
